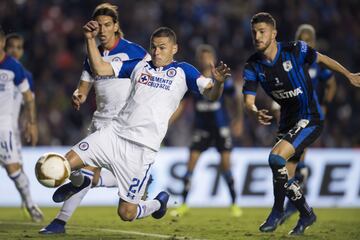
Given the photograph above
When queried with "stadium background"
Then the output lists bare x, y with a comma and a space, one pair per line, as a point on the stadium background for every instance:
55, 52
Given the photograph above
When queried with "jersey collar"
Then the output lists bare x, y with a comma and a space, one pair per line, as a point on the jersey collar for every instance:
268, 63
172, 64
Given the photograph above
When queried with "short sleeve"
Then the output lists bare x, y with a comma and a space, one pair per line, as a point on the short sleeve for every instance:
86, 74
250, 80
123, 69
306, 53
195, 82
30, 79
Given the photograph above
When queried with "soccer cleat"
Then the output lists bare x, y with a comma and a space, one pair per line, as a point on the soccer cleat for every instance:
34, 213
272, 221
235, 211
290, 209
64, 192
163, 198
57, 226
302, 224
180, 211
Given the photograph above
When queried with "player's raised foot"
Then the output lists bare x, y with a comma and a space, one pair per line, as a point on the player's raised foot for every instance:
163, 198
235, 211
35, 213
180, 211
290, 209
64, 192
271, 222
57, 226
302, 224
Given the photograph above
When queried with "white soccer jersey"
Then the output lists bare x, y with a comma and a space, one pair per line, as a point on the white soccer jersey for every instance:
111, 94
18, 99
154, 97
12, 75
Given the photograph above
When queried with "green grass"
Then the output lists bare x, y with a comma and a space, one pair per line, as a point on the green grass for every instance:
204, 223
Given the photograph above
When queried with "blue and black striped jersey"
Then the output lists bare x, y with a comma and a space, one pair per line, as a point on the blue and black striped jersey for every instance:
213, 114
286, 80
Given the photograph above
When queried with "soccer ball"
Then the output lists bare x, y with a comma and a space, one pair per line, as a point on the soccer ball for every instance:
52, 170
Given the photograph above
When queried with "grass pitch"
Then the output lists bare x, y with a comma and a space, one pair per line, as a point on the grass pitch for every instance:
203, 223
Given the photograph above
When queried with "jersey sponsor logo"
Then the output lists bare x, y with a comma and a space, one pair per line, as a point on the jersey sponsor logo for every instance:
277, 82
171, 72
144, 78
287, 65
155, 82
83, 146
281, 94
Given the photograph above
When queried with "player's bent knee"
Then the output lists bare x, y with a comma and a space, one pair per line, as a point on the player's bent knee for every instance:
127, 211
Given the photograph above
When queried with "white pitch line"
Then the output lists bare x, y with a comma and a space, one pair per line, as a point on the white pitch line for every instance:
113, 231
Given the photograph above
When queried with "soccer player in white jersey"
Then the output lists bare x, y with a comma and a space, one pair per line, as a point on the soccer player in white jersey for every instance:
128, 146
111, 95
13, 81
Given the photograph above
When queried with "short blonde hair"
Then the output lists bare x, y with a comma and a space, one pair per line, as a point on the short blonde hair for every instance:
305, 28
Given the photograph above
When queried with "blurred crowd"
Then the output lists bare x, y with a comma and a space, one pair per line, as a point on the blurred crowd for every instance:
55, 52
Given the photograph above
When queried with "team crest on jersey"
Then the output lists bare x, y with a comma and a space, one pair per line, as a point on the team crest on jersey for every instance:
116, 59
171, 72
287, 65
144, 78
3, 77
83, 146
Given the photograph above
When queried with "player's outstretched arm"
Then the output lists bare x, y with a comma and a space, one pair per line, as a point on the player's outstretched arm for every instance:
220, 73
98, 65
261, 115
330, 63
31, 133
80, 94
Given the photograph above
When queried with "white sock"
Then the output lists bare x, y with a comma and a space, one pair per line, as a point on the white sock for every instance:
22, 184
70, 205
106, 179
145, 208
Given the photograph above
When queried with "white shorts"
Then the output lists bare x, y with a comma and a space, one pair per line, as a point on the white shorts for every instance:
97, 124
9, 148
130, 162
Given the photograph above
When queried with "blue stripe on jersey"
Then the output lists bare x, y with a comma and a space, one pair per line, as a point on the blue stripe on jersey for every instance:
249, 92
318, 105
294, 83
304, 108
308, 95
128, 67
142, 182
303, 134
303, 51
249, 75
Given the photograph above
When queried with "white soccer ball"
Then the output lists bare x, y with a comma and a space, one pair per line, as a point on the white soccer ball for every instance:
52, 170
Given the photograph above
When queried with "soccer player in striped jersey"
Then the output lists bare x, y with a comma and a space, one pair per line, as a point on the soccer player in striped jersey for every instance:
212, 128
324, 83
128, 146
111, 96
282, 71
15, 88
